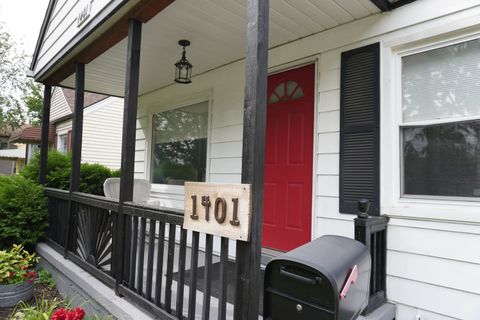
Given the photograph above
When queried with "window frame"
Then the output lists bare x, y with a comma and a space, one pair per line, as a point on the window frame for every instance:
59, 144
168, 106
393, 202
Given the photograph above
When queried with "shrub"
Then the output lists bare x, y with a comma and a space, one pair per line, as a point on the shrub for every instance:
23, 211
58, 170
92, 176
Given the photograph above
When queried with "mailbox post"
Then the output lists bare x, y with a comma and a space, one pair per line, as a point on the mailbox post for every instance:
372, 232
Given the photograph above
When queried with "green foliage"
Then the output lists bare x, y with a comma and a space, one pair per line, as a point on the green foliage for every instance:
58, 168
44, 277
33, 100
92, 176
41, 310
23, 211
18, 94
16, 265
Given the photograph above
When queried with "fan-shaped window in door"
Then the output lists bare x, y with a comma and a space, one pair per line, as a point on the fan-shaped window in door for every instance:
286, 91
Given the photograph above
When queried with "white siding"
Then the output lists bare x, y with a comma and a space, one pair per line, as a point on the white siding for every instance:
63, 126
59, 107
62, 26
433, 264
102, 132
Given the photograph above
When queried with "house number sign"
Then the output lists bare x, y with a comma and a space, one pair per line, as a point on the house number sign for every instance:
83, 13
219, 209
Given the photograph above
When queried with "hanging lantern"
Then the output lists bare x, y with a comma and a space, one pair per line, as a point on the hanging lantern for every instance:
183, 68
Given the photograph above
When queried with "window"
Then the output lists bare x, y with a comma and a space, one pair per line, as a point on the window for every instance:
32, 150
179, 150
440, 129
286, 91
3, 143
63, 143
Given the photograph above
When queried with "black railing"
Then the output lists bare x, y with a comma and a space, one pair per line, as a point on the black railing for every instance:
165, 271
372, 231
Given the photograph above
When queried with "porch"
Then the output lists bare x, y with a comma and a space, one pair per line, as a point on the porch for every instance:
141, 252
170, 272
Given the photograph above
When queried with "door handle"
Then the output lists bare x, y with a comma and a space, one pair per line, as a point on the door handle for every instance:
314, 281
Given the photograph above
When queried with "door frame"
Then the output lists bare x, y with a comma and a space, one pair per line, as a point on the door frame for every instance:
315, 60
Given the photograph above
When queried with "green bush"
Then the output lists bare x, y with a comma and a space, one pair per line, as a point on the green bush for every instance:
92, 176
58, 170
23, 211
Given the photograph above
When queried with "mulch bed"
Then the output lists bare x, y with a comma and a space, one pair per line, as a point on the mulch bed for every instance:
49, 294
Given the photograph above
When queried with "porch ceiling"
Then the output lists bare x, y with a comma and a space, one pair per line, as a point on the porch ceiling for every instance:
216, 29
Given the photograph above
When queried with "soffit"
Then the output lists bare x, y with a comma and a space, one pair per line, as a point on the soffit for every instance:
216, 29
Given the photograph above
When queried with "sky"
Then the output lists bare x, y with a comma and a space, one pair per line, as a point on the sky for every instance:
23, 19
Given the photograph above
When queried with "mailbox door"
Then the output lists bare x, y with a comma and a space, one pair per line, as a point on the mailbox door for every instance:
279, 306
302, 282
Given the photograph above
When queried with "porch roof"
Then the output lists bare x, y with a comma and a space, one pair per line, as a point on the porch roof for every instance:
216, 29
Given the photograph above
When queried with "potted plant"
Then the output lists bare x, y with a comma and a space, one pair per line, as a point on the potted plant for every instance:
16, 275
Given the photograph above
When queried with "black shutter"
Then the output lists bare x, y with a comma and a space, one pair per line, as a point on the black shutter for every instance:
360, 129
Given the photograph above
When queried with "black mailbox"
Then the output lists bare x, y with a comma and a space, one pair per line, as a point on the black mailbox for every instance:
325, 279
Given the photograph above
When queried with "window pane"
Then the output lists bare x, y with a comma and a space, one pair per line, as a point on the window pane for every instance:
180, 145
442, 83
442, 159
62, 144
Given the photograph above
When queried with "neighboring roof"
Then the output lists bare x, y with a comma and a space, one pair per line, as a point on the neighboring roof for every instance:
5, 132
31, 134
12, 154
89, 98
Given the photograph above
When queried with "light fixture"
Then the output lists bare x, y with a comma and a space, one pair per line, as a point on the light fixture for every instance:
183, 68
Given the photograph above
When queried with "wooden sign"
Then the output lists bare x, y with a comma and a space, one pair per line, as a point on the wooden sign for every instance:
220, 209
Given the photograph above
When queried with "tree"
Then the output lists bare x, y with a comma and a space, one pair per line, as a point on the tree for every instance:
20, 97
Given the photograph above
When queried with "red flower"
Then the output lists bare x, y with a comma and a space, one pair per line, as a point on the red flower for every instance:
11, 275
78, 313
32, 275
65, 314
59, 314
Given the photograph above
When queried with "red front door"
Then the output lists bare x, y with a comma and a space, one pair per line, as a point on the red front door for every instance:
287, 215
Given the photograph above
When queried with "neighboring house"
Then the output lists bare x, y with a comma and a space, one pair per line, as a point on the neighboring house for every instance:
361, 104
12, 154
11, 161
30, 136
102, 128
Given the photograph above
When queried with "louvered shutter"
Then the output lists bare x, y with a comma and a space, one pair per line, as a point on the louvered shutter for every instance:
69, 141
360, 129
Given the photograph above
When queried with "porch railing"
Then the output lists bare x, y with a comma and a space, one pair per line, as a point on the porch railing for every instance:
162, 273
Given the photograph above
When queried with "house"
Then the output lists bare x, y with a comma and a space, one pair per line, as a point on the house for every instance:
365, 99
103, 125
11, 161
29, 136
12, 153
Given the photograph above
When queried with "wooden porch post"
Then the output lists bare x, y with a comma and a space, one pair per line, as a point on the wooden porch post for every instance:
254, 122
47, 95
77, 131
128, 141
